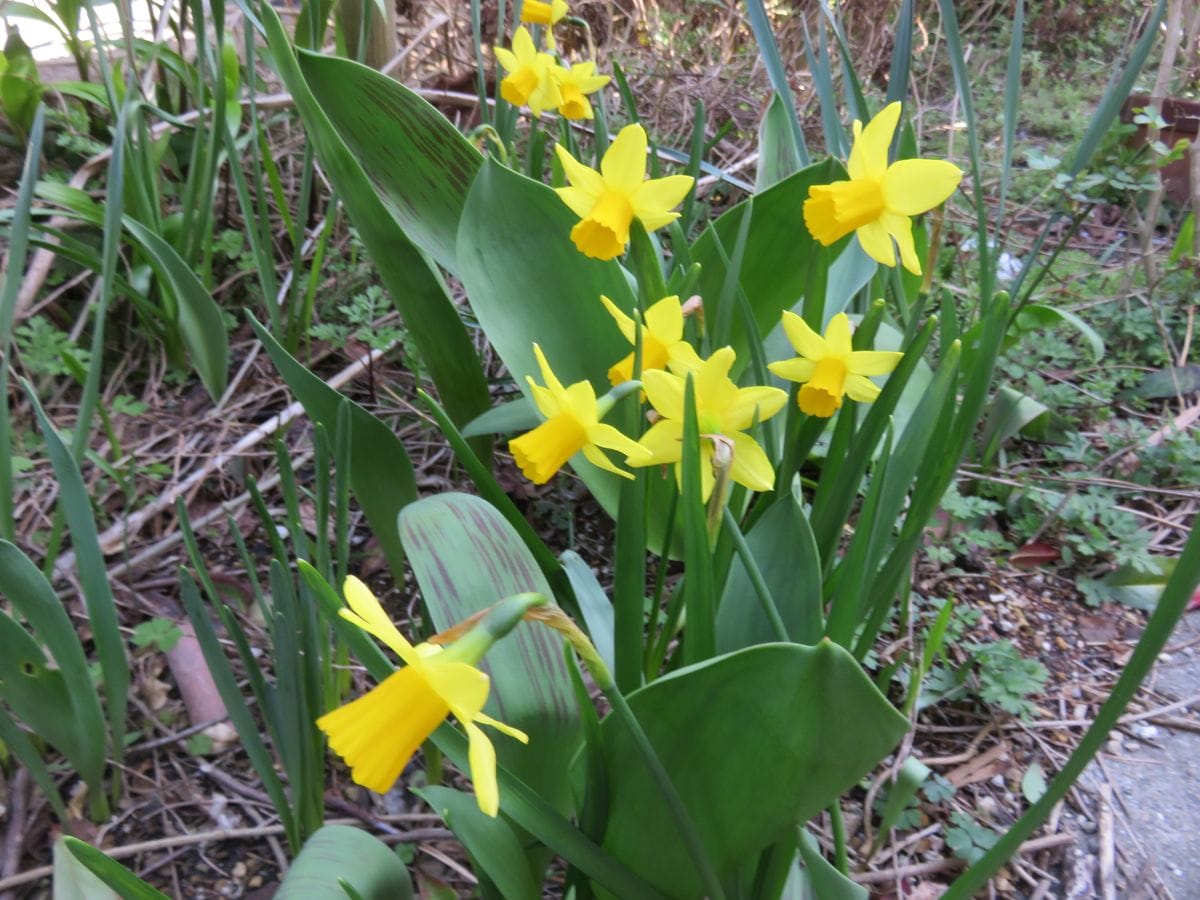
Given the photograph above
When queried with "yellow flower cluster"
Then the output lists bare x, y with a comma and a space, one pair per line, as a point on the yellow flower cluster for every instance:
536, 78
827, 367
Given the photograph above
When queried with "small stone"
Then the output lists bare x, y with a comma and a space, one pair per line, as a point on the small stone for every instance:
1145, 732
1006, 627
998, 598
1131, 746
1188, 651
239, 870
998, 781
1114, 746
1081, 711
987, 806
255, 881
1164, 657
1087, 826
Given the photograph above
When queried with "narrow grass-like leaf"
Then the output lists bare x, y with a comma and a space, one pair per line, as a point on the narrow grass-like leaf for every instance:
778, 155
231, 695
902, 52
594, 604
93, 578
19, 745
127, 885
14, 268
700, 641
768, 49
380, 472
1012, 97
1159, 628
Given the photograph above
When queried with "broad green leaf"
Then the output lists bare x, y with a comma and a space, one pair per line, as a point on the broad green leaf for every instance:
465, 558
17, 742
78, 703
380, 472
415, 285
1132, 587
514, 416
1172, 381
778, 156
1011, 413
755, 742
778, 251
418, 161
494, 848
1033, 782
84, 865
825, 881
768, 48
337, 853
527, 283
785, 550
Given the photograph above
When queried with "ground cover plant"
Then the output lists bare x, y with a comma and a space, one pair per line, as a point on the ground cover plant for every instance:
619, 537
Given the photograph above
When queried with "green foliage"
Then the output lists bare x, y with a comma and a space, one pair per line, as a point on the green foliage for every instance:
1006, 678
43, 348
968, 839
162, 634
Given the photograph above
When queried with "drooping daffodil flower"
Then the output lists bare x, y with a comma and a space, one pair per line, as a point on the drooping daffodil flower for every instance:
530, 80
574, 84
572, 425
662, 338
378, 733
828, 367
535, 12
723, 412
608, 201
878, 200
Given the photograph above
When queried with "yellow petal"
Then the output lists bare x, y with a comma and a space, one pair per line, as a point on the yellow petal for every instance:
665, 392
683, 358
751, 467
507, 59
580, 176
578, 200
837, 336
664, 320
622, 371
593, 455
516, 733
901, 228
873, 362
869, 156
378, 733
714, 390
481, 756
366, 612
807, 342
624, 165
625, 323
915, 186
664, 440
861, 388
751, 404
463, 688
877, 243
522, 44
548, 375
598, 241
798, 369
653, 200
543, 451
606, 436
580, 402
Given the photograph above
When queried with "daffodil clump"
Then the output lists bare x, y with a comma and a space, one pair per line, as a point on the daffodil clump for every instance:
378, 733
879, 199
536, 78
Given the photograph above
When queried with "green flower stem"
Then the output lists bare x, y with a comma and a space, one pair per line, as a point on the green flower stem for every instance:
646, 268
605, 404
1163, 620
770, 610
841, 858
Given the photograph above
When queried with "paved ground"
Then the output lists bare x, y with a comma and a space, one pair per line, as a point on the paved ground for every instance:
1153, 772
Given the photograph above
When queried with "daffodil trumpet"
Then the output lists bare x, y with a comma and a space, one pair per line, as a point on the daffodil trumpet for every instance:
378, 733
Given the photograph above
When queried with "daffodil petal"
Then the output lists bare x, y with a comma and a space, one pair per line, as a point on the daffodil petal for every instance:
581, 401
603, 435
507, 59
683, 358
664, 320
522, 45
578, 200
861, 388
750, 464
915, 186
798, 369
367, 613
869, 155
807, 342
586, 179
873, 362
481, 756
664, 440
515, 733
901, 228
546, 402
548, 375
712, 380
751, 404
653, 200
626, 325
624, 165
665, 392
593, 455
837, 336
877, 243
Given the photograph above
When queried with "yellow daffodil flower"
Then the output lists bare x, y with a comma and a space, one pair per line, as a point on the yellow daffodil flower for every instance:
572, 425
879, 199
723, 410
530, 78
378, 733
574, 84
662, 339
608, 201
535, 12
828, 367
